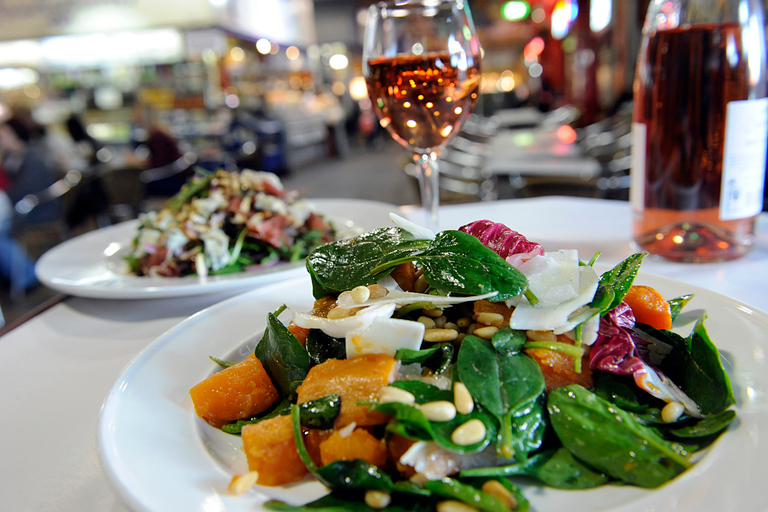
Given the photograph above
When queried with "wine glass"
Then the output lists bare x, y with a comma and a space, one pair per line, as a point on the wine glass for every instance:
421, 61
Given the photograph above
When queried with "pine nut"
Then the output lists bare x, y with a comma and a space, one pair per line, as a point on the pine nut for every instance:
471, 432
245, 205
460, 338
462, 398
497, 490
486, 332
451, 325
420, 285
454, 506
440, 410
438, 335
389, 394
347, 429
463, 322
428, 322
377, 291
337, 313
440, 321
471, 328
541, 335
488, 318
672, 412
434, 313
378, 500
241, 483
360, 294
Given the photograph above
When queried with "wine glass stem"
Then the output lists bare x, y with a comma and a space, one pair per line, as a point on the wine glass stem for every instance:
429, 183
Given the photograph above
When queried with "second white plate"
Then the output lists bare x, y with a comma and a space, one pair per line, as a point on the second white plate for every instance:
90, 265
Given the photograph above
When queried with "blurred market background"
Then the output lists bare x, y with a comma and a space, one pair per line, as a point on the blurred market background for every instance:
117, 100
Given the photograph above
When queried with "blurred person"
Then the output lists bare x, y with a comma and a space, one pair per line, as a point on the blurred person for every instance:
12, 255
27, 169
161, 147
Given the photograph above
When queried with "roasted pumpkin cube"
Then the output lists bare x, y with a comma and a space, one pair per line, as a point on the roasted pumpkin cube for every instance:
358, 444
238, 392
271, 451
355, 379
558, 368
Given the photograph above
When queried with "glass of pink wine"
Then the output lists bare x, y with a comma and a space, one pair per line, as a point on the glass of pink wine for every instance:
421, 61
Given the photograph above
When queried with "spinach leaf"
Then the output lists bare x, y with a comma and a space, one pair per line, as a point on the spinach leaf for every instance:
284, 359
527, 427
556, 468
322, 347
694, 364
459, 263
615, 283
610, 387
706, 381
611, 440
410, 422
437, 358
342, 501
508, 341
221, 362
320, 412
280, 408
453, 489
519, 377
676, 305
706, 427
344, 264
358, 474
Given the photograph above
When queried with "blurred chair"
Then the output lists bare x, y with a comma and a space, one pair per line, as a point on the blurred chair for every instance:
125, 192
37, 237
463, 175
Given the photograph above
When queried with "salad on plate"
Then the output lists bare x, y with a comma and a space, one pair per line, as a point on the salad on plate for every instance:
225, 222
442, 371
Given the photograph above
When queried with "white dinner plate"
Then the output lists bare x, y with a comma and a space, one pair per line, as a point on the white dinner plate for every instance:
159, 456
91, 265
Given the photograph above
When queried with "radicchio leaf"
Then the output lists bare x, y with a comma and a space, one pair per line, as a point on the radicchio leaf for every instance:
620, 351
503, 240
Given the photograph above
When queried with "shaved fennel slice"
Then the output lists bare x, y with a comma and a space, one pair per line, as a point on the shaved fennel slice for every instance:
417, 231
660, 386
339, 327
400, 299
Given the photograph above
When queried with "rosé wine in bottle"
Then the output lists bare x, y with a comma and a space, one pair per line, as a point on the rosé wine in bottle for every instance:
700, 126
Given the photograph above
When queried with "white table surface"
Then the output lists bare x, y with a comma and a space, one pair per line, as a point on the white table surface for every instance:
58, 366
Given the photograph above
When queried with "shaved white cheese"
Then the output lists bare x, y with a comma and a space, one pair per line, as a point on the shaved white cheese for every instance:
401, 299
558, 317
176, 240
417, 231
553, 277
216, 247
252, 179
384, 336
339, 327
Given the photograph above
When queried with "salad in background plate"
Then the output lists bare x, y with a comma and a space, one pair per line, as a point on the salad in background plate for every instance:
227, 222
436, 370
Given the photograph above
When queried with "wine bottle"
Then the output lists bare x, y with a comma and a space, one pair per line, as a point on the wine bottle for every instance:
700, 129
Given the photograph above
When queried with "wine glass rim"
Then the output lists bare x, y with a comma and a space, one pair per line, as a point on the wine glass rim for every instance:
389, 4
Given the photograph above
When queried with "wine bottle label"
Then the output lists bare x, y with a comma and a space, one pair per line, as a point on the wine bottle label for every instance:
744, 158
637, 171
